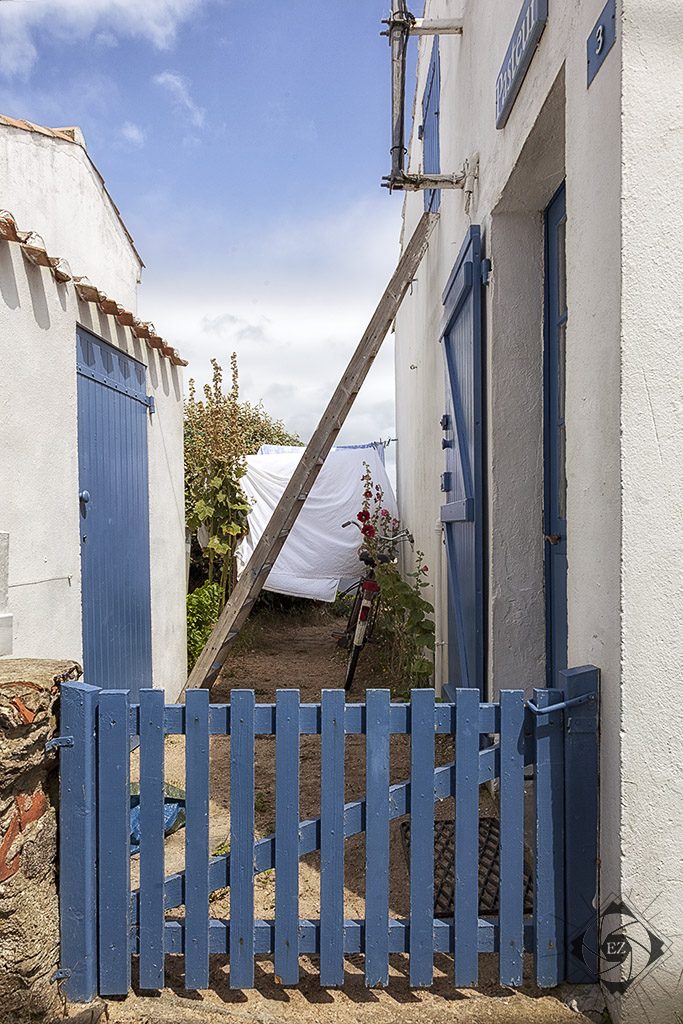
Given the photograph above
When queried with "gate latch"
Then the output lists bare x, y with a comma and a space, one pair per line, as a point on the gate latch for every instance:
583, 699
59, 741
63, 974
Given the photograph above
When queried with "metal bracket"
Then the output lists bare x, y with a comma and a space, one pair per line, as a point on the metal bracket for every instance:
485, 270
61, 975
151, 405
59, 741
583, 699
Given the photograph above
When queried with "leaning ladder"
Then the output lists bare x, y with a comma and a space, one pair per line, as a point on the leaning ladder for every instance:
262, 560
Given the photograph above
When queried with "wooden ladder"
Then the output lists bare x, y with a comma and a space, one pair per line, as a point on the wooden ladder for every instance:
255, 574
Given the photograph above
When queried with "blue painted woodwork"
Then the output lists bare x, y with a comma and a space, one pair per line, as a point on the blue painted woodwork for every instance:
332, 838
560, 745
511, 837
287, 836
527, 32
242, 752
422, 837
554, 443
549, 846
466, 896
197, 839
377, 838
431, 101
113, 828
463, 512
114, 520
152, 839
78, 897
581, 824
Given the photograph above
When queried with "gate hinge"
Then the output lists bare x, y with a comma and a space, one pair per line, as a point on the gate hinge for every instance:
151, 404
574, 702
61, 975
485, 271
59, 741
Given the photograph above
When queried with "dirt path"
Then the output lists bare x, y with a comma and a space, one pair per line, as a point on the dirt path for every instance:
288, 652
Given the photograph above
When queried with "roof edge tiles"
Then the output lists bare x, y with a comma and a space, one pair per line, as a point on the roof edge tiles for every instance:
33, 248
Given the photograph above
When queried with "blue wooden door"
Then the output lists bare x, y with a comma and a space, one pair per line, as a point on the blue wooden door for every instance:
463, 482
555, 487
114, 516
431, 158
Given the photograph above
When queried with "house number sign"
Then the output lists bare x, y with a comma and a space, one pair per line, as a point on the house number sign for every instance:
602, 38
528, 30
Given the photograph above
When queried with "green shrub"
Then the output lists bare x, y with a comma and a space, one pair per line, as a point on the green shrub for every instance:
203, 609
406, 624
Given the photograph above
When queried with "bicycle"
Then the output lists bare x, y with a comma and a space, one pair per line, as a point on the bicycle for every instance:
365, 609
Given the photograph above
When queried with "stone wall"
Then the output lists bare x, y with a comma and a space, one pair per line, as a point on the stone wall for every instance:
29, 907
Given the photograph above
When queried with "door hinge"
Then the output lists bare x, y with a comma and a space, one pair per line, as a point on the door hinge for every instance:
63, 974
446, 482
151, 405
485, 271
59, 741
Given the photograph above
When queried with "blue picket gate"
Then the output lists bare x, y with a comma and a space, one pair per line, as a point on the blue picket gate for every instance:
104, 923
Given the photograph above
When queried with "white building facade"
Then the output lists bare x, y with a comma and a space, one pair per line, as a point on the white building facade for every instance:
91, 429
548, 441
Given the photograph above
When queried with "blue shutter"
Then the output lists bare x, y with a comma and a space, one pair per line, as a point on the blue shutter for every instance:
431, 161
463, 482
113, 478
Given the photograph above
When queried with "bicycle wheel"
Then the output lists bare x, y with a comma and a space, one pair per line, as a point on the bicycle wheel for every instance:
351, 667
345, 641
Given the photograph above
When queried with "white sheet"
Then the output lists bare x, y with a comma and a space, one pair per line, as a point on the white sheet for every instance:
318, 553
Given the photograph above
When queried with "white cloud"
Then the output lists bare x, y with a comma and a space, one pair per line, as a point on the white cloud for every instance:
21, 24
133, 133
292, 302
179, 90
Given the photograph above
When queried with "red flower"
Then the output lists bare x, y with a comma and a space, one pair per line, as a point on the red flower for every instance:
367, 494
385, 512
424, 569
363, 515
368, 530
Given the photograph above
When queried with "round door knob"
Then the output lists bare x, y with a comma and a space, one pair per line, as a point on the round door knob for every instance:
84, 496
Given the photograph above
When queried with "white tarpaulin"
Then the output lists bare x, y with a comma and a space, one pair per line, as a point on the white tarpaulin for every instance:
318, 553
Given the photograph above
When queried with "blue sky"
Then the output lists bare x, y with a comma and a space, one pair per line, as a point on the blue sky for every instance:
244, 143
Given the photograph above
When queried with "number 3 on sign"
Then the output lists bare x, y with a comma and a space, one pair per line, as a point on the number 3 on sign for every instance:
599, 40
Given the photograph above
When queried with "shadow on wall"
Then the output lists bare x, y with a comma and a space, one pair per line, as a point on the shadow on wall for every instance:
8, 281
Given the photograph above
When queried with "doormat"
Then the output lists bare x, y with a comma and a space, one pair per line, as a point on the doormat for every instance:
489, 867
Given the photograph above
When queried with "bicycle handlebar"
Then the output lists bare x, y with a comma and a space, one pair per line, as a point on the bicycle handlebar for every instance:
403, 535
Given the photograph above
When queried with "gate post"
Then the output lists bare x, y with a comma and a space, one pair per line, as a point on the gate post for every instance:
581, 824
78, 841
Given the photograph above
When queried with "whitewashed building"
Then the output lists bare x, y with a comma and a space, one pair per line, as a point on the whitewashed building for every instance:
92, 555
539, 385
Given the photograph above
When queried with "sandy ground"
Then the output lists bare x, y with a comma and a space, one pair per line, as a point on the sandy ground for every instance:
287, 651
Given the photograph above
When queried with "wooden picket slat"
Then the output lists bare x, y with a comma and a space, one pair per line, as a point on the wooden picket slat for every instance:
466, 897
511, 899
287, 836
197, 840
549, 860
113, 825
152, 839
332, 839
377, 839
421, 838
242, 839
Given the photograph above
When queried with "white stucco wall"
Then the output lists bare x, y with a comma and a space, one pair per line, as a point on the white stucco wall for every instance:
39, 505
618, 146
52, 187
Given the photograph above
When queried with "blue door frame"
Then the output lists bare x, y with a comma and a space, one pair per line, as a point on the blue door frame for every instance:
554, 440
114, 515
